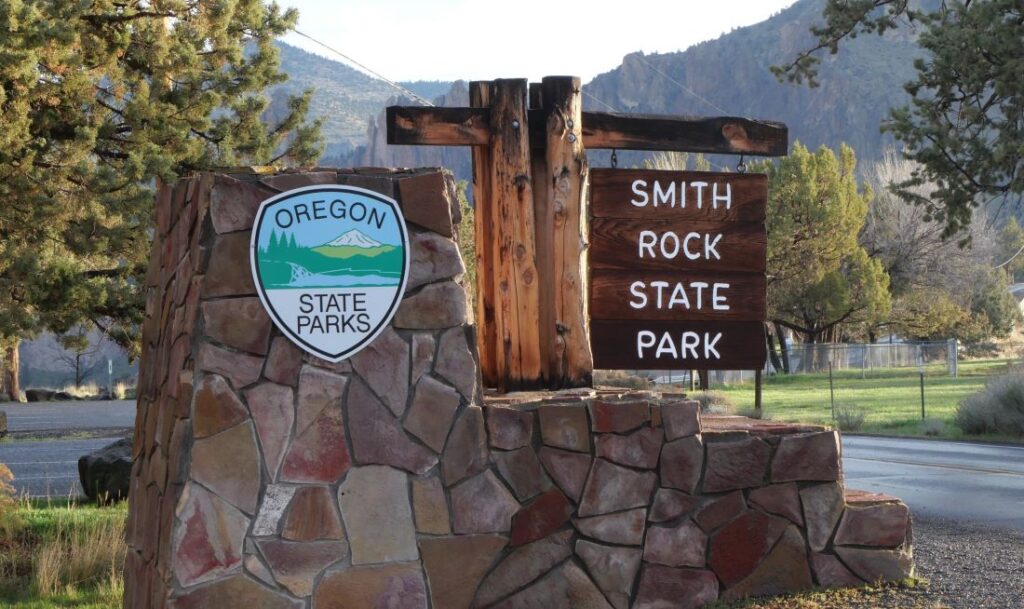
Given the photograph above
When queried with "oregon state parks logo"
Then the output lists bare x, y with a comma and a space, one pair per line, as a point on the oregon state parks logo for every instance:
330, 265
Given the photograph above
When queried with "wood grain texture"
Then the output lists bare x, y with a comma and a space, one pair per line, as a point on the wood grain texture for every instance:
741, 346
614, 245
483, 215
438, 126
513, 231
722, 134
611, 296
570, 359
612, 191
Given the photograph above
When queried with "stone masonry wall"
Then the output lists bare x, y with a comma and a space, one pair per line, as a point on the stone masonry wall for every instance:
267, 478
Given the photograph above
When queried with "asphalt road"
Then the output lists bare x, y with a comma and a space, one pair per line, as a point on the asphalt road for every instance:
51, 416
971, 483
47, 468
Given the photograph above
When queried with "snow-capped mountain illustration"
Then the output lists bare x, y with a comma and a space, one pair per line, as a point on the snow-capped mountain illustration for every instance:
354, 238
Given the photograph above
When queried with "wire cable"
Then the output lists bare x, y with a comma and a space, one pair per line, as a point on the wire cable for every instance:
376, 74
679, 84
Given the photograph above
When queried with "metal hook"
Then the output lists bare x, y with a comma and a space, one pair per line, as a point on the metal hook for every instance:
615, 159
741, 167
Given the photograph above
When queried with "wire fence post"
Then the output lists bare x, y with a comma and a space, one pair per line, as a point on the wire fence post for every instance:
922, 395
831, 390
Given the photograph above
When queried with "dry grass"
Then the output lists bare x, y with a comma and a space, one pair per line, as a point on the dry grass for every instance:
82, 392
80, 556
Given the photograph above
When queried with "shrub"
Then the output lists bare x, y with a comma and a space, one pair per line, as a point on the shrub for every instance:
996, 409
714, 402
9, 520
620, 378
850, 418
933, 427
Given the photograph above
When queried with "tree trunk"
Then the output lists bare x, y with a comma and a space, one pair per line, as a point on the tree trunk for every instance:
772, 353
11, 371
783, 347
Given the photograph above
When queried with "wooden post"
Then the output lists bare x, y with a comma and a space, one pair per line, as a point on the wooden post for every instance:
483, 215
564, 226
541, 208
757, 393
517, 304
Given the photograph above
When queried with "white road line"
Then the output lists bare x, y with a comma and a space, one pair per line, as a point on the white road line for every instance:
1000, 472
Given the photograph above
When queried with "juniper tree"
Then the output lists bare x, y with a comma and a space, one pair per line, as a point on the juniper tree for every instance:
99, 101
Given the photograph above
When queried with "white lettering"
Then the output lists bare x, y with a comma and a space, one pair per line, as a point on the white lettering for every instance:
699, 286
718, 302
636, 289
674, 251
646, 235
709, 346
644, 340
726, 198
667, 346
686, 246
699, 187
637, 186
665, 196
709, 247
690, 341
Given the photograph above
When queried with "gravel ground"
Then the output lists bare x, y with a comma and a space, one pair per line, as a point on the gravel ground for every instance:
970, 566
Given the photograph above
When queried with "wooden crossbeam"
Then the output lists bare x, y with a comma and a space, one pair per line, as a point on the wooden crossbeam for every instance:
411, 125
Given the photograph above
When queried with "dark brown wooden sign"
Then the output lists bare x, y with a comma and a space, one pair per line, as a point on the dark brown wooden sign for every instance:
677, 263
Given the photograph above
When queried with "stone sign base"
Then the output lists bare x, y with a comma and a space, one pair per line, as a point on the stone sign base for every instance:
266, 478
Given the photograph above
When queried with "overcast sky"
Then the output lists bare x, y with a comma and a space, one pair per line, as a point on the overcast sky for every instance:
482, 40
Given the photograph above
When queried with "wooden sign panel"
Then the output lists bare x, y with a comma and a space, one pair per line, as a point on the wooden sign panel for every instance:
677, 263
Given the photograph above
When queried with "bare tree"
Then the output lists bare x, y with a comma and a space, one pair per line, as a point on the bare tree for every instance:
78, 354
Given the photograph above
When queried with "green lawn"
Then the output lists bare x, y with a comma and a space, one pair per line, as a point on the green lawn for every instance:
889, 398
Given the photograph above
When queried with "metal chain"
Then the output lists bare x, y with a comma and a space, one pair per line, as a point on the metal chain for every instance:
615, 159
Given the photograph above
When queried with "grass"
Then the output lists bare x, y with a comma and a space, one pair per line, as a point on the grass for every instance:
889, 398
909, 594
62, 554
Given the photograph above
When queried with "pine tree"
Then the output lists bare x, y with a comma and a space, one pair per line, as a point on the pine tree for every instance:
98, 102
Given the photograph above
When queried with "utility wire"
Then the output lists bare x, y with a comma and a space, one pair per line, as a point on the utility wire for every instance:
679, 84
374, 73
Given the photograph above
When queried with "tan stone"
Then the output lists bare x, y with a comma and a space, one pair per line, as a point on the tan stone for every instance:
621, 528
283, 362
319, 453
425, 202
432, 258
878, 565
239, 368
612, 488
296, 565
207, 541
808, 457
436, 306
508, 427
430, 507
681, 419
233, 203
522, 566
240, 323
289, 181
781, 499
465, 454
378, 438
482, 505
423, 346
453, 582
384, 365
882, 525
431, 413
235, 591
318, 389
259, 570
783, 571
229, 465
393, 586
681, 463
456, 364
823, 505
613, 569
567, 469
273, 411
679, 546
640, 448
312, 516
664, 587
375, 506
215, 407
736, 464
567, 587
831, 573
565, 426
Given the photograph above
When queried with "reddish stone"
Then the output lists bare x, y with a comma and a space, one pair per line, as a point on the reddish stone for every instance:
215, 407
289, 181
208, 538
456, 364
432, 258
622, 528
681, 419
436, 306
283, 362
613, 569
878, 565
318, 390
425, 202
784, 571
522, 470
423, 345
320, 453
663, 587
612, 488
222, 277
384, 366
679, 546
522, 566
233, 204
482, 505
273, 410
229, 465
567, 587
342, 367
736, 464
860, 498
431, 413
618, 417
638, 449
313, 516
883, 525
239, 368
738, 547
823, 505
392, 586
830, 572
235, 591
377, 437
508, 427
541, 517
670, 504
780, 499
567, 469
374, 502
238, 322
808, 457
296, 565
454, 582
681, 463
565, 426
430, 507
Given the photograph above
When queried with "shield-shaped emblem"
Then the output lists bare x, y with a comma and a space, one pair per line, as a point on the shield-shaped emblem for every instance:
330, 264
